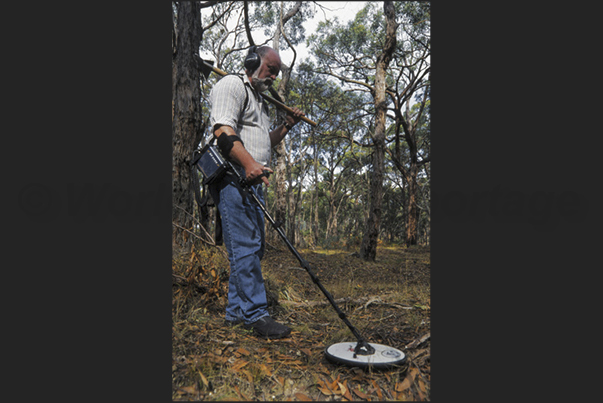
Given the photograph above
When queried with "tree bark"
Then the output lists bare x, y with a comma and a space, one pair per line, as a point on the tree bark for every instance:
187, 123
282, 170
413, 211
368, 247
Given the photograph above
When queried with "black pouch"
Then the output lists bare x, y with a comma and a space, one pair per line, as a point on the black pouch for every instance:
211, 164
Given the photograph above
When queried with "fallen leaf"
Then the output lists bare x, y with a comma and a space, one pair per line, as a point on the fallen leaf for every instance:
359, 393
378, 389
248, 375
333, 385
404, 385
265, 370
241, 395
408, 380
421, 395
204, 379
324, 388
303, 397
217, 359
237, 365
347, 393
243, 351
189, 389
342, 388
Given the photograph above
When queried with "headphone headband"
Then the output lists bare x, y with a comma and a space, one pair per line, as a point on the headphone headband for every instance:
253, 60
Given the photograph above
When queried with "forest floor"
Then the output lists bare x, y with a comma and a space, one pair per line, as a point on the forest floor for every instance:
388, 301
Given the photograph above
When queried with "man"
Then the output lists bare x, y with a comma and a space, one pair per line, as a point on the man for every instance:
240, 121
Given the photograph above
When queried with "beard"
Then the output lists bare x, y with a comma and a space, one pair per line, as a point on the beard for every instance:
261, 84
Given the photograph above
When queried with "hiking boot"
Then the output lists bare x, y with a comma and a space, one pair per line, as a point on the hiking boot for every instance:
267, 328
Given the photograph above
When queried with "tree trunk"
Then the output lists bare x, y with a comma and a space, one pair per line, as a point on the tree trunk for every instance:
186, 120
368, 247
282, 170
314, 204
412, 214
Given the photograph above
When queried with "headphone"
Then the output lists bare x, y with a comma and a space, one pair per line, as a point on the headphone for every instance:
252, 60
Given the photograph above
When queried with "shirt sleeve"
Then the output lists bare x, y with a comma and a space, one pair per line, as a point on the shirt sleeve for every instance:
227, 99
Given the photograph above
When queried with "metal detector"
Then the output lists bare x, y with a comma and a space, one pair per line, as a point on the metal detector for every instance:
357, 354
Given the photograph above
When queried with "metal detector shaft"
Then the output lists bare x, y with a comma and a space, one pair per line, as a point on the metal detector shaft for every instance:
361, 342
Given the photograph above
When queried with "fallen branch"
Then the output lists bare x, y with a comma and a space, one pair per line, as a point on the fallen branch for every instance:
364, 302
225, 342
295, 268
181, 281
418, 342
319, 303
176, 279
378, 301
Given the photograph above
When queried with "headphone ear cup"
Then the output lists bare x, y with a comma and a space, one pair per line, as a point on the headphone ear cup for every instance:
252, 61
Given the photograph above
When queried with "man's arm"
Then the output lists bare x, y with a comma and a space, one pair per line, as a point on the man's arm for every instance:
278, 134
241, 156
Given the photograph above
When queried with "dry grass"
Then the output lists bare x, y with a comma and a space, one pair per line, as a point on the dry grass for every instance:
214, 362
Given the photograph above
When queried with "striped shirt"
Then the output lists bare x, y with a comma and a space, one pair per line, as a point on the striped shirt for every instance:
252, 125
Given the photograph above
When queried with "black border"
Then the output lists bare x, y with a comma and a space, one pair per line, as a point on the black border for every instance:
89, 316
510, 118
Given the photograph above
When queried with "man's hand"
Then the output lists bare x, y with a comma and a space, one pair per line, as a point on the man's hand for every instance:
254, 173
293, 119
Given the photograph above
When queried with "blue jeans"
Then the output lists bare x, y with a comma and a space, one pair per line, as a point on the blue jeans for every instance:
243, 234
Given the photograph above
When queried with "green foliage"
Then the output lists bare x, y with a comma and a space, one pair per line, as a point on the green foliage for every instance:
267, 14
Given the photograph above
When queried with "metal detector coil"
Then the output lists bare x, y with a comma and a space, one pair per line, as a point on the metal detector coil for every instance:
384, 357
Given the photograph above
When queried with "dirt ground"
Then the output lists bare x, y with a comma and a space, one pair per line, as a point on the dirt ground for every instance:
388, 301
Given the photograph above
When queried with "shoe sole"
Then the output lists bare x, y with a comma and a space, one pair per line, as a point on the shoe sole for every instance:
271, 337
268, 337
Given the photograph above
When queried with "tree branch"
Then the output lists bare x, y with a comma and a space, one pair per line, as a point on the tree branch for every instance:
421, 108
247, 29
211, 24
294, 10
347, 80
283, 21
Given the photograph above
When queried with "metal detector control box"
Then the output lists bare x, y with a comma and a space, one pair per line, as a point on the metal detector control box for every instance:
211, 164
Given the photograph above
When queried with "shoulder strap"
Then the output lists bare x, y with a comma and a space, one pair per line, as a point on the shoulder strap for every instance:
245, 86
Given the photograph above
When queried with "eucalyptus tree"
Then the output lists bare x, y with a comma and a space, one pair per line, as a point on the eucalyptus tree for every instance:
187, 123
282, 24
383, 52
331, 148
410, 82
359, 54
